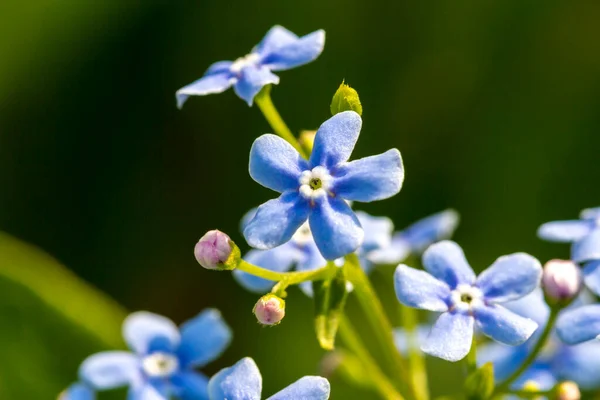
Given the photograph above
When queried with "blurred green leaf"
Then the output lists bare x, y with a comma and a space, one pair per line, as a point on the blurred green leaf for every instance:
480, 384
51, 320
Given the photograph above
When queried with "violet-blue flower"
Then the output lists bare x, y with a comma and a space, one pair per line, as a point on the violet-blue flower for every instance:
163, 358
243, 381
416, 237
279, 50
556, 362
78, 391
318, 189
585, 236
579, 325
451, 287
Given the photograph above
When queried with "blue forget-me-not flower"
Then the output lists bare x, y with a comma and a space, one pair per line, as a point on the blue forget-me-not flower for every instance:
580, 325
451, 287
163, 358
279, 50
243, 381
556, 362
78, 391
585, 236
318, 189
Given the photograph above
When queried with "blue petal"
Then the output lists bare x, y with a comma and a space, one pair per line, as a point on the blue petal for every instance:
146, 391
563, 231
590, 213
510, 277
335, 139
579, 325
312, 260
208, 84
401, 338
247, 218
275, 164
371, 178
276, 38
110, 369
78, 391
291, 55
397, 251
203, 339
506, 359
591, 276
588, 248
306, 388
276, 221
540, 374
580, 363
418, 289
278, 259
378, 231
532, 306
451, 337
431, 229
335, 228
219, 67
143, 331
239, 382
252, 80
190, 385
503, 325
446, 261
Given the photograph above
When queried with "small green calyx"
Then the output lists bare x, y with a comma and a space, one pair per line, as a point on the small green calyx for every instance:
345, 99
480, 384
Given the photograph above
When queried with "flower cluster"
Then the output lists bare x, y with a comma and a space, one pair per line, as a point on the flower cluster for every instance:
534, 326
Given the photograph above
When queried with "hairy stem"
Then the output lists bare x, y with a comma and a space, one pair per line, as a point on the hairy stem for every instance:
264, 102
289, 278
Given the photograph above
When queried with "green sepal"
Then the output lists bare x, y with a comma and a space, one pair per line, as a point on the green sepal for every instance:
330, 298
234, 258
480, 384
345, 99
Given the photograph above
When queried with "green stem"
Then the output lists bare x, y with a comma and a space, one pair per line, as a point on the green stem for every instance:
503, 388
354, 344
416, 360
290, 278
472, 358
377, 318
264, 102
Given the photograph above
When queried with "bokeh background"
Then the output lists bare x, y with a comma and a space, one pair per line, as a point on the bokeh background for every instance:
494, 106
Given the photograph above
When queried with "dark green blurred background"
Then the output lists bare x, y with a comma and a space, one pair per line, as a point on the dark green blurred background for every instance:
493, 104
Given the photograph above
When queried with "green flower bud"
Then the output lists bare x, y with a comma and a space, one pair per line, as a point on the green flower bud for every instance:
345, 99
480, 384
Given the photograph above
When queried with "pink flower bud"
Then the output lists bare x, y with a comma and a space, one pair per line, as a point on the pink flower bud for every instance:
561, 280
214, 250
269, 310
568, 391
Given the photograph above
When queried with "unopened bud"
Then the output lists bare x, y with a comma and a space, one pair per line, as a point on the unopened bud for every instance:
561, 280
215, 250
568, 391
345, 99
269, 309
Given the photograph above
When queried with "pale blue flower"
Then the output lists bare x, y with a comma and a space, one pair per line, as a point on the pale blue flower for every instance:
243, 381
78, 391
580, 325
163, 358
279, 50
318, 189
556, 362
451, 287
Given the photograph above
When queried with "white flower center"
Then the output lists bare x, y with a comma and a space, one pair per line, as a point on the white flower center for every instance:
465, 297
315, 183
303, 235
243, 62
160, 365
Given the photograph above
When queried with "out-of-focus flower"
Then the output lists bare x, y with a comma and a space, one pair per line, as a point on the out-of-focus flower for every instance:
243, 381
579, 325
556, 362
561, 280
163, 358
279, 50
77, 391
318, 189
452, 288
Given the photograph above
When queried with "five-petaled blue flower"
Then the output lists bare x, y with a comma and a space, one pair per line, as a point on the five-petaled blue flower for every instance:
452, 288
244, 382
279, 50
162, 364
318, 189
414, 239
585, 236
556, 362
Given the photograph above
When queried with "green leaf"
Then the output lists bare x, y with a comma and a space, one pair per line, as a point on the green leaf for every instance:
330, 300
480, 384
51, 321
345, 99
